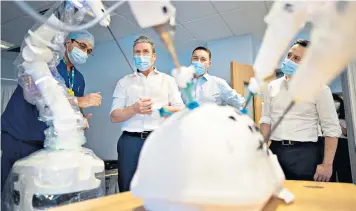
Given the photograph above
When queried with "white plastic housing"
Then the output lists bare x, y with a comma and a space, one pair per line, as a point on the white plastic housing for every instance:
210, 158
152, 13
43, 36
54, 173
284, 21
31, 53
98, 10
65, 120
329, 52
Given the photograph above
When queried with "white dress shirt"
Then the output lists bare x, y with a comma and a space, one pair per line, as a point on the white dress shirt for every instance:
301, 122
343, 124
158, 86
209, 88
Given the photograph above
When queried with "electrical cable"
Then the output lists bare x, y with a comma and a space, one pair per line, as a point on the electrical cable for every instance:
123, 53
290, 106
65, 27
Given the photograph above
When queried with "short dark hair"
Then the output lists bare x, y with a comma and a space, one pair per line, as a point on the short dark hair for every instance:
144, 39
301, 42
203, 49
341, 109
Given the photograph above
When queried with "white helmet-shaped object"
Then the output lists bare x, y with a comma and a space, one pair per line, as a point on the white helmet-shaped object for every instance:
209, 158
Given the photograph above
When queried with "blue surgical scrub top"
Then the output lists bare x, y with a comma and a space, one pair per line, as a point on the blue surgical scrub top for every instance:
20, 118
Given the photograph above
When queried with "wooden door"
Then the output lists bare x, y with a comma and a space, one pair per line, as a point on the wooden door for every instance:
240, 77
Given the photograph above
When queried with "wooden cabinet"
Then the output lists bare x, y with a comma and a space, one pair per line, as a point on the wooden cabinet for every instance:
240, 77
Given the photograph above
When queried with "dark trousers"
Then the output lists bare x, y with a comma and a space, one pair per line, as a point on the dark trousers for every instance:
13, 150
298, 161
128, 150
342, 166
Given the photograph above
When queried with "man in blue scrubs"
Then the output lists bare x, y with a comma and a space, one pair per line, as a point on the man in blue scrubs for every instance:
21, 131
210, 88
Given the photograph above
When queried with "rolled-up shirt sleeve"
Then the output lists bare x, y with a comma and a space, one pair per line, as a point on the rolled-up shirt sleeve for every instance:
174, 95
329, 121
119, 97
230, 96
266, 111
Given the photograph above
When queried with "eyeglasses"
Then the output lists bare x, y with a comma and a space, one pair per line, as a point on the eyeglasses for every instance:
84, 47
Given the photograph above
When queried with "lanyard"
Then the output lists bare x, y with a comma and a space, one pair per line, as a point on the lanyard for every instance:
71, 79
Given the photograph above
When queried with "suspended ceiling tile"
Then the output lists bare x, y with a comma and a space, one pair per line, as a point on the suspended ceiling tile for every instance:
121, 27
182, 35
129, 17
14, 31
10, 11
191, 10
224, 6
209, 28
122, 9
247, 20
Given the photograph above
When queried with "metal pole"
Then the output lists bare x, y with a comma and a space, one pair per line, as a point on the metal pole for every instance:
348, 81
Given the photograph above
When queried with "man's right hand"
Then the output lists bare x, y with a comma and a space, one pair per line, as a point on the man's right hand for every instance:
143, 106
90, 100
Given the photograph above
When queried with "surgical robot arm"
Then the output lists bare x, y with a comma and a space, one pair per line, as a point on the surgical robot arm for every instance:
327, 55
284, 20
334, 24
332, 48
37, 55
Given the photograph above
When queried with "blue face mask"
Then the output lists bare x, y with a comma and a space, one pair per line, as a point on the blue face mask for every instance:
199, 68
142, 63
77, 56
289, 67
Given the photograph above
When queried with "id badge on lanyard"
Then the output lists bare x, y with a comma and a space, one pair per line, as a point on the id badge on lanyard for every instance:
71, 82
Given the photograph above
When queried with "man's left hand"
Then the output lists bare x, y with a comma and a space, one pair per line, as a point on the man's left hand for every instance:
323, 172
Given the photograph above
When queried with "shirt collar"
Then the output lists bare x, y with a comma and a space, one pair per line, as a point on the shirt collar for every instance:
155, 71
207, 76
62, 65
204, 78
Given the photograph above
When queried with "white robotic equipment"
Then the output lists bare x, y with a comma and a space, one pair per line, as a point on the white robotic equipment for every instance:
209, 158
64, 172
331, 49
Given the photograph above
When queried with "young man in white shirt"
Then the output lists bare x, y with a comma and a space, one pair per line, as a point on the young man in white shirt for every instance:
295, 139
210, 88
137, 98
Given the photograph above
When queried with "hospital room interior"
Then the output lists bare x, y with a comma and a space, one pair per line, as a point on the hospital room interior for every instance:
178, 105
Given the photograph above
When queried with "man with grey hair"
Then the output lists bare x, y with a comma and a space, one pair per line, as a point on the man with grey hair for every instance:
136, 100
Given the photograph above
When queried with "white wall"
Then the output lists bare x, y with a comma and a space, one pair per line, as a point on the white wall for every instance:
238, 49
7, 72
7, 68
